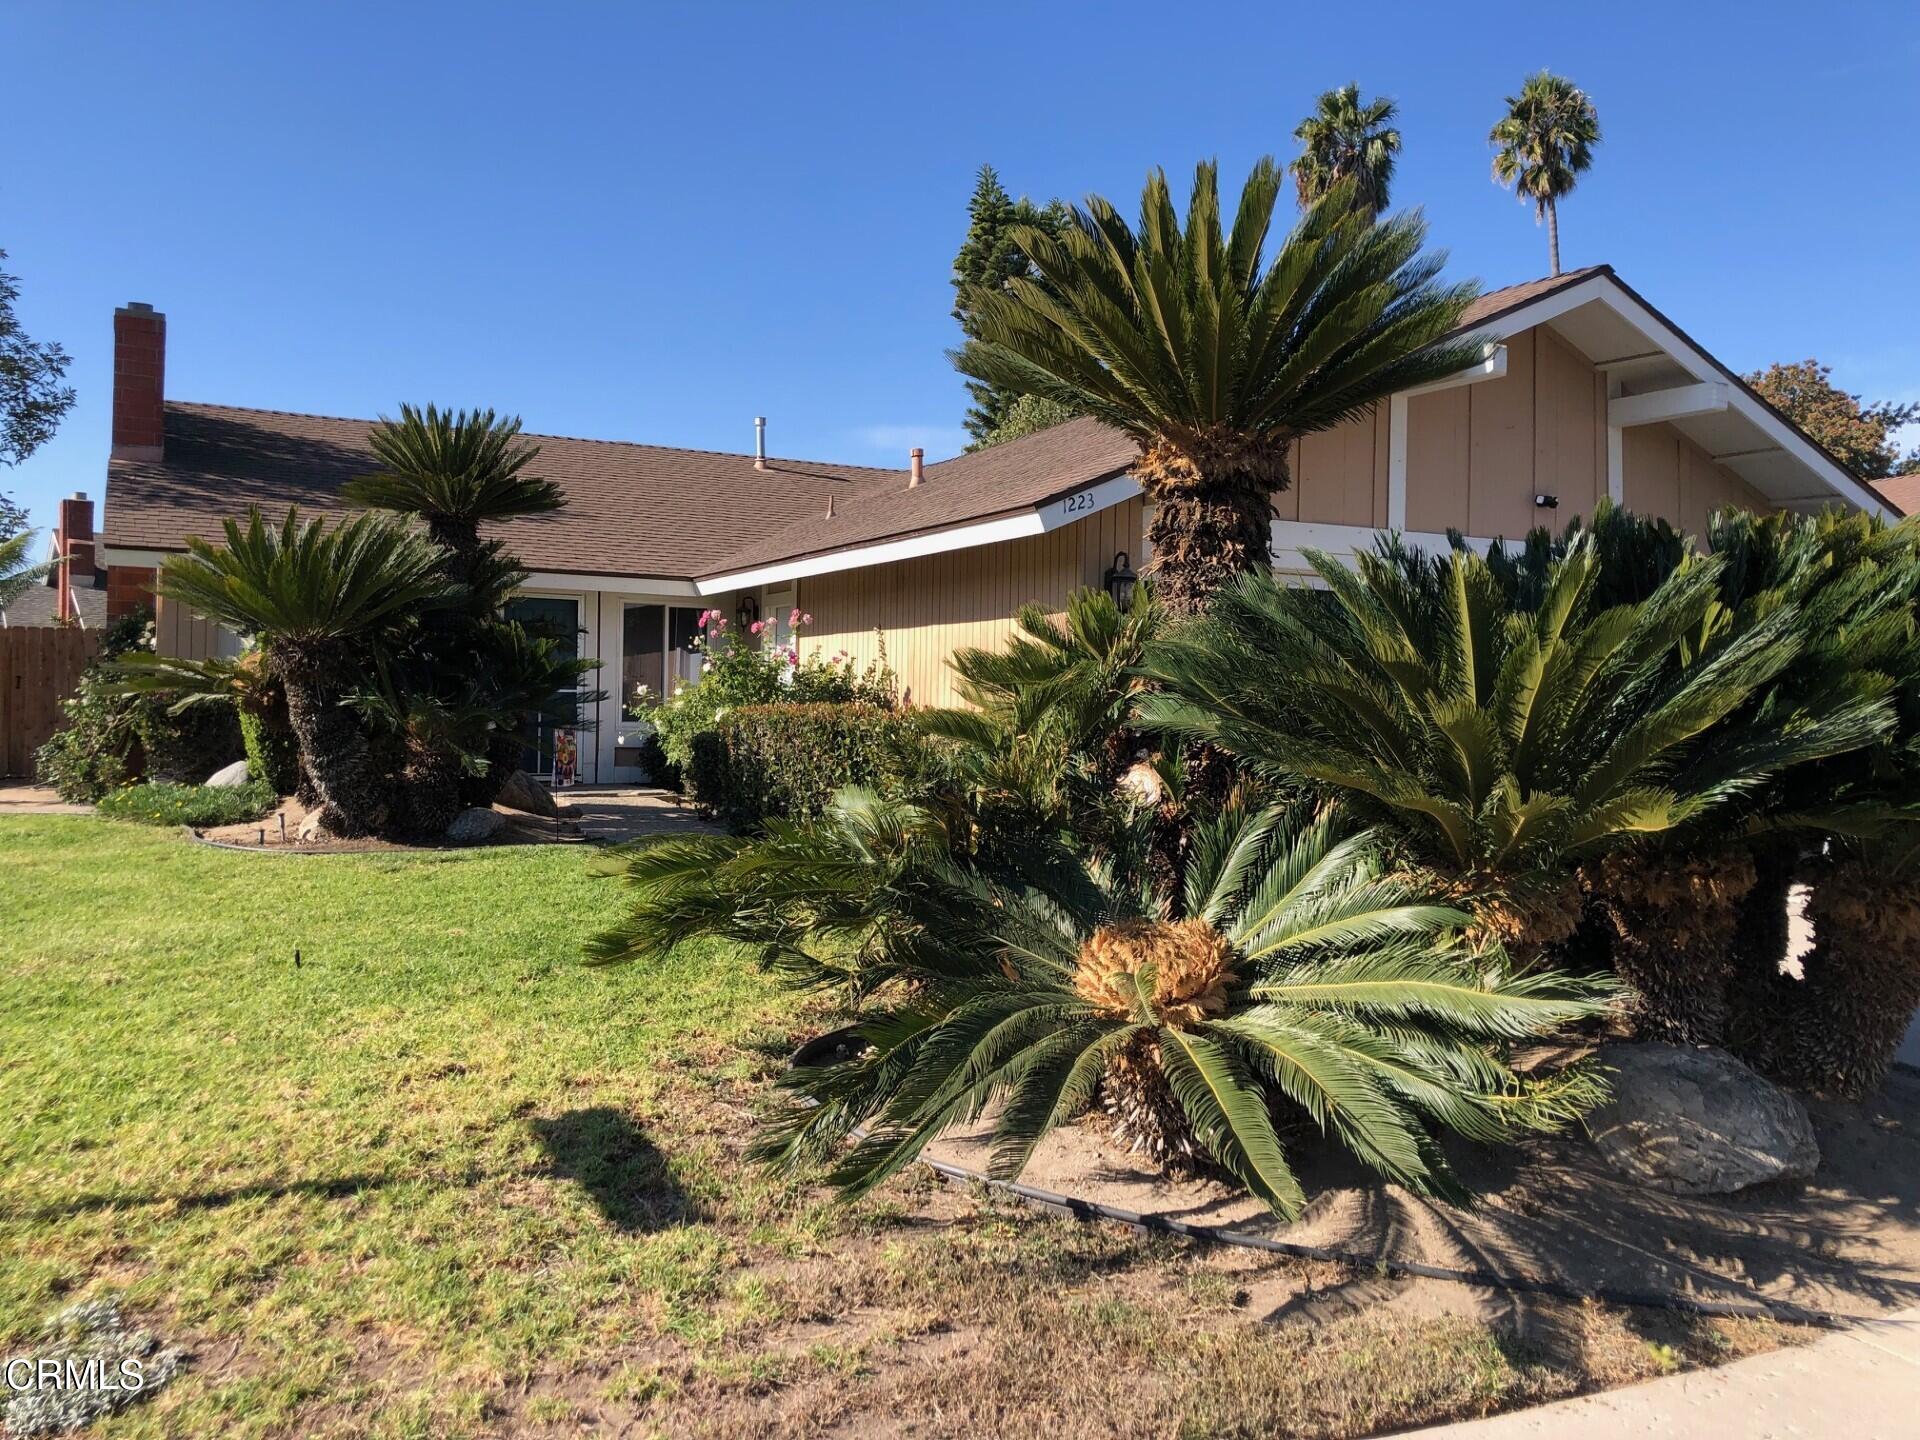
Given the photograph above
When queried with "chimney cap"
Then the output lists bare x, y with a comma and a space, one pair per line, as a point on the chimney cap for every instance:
138, 307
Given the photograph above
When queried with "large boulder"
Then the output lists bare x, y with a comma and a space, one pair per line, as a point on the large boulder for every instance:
522, 792
229, 777
470, 827
1698, 1122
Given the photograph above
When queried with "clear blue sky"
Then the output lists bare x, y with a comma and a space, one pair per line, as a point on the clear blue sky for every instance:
654, 223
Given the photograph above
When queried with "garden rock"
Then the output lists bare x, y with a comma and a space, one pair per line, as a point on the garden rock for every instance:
472, 826
229, 777
1698, 1122
522, 792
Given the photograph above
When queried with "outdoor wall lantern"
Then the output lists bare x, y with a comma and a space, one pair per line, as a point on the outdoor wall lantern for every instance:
1120, 582
746, 613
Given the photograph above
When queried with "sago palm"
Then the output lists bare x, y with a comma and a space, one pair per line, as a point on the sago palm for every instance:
1044, 734
1542, 145
322, 604
456, 470
1346, 140
1504, 744
1215, 355
1304, 976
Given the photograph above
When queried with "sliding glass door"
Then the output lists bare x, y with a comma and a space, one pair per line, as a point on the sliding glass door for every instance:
657, 657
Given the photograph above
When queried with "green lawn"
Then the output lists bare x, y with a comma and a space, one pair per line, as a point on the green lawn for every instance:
365, 1135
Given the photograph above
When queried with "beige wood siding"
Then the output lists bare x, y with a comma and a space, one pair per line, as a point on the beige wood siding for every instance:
1665, 473
921, 611
177, 631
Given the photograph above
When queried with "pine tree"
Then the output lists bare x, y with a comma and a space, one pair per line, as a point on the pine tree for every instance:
988, 259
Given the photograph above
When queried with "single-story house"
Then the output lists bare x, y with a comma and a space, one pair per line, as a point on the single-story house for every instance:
1591, 393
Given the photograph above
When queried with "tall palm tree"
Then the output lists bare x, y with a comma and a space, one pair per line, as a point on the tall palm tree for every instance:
1543, 144
1214, 356
457, 470
1344, 139
323, 604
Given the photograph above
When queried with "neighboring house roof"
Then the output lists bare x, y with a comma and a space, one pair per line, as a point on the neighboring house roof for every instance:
39, 604
1901, 491
709, 520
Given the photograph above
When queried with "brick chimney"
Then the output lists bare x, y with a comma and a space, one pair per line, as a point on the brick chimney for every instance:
73, 538
75, 535
139, 382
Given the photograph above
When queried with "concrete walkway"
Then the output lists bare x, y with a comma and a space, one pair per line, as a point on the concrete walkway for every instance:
1861, 1383
21, 798
615, 815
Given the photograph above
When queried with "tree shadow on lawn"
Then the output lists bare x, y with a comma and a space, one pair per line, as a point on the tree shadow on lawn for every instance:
623, 1172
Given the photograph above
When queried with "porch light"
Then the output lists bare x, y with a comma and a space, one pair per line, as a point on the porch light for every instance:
1120, 582
746, 613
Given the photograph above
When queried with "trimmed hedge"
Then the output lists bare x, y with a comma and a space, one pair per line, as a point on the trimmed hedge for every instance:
765, 762
196, 805
273, 752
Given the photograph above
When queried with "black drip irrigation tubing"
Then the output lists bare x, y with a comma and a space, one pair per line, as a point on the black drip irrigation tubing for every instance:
1079, 1209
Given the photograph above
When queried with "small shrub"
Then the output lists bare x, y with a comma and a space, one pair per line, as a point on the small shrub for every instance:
273, 751
751, 670
763, 762
97, 750
196, 805
185, 748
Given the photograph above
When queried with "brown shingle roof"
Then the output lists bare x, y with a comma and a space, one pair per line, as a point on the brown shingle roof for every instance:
1494, 303
1002, 480
632, 510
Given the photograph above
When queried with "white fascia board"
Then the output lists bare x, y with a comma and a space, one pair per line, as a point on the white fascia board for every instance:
575, 584
139, 559
1491, 368
1676, 403
1292, 538
1609, 292
1052, 515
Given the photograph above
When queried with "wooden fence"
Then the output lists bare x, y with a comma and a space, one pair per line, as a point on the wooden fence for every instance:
39, 666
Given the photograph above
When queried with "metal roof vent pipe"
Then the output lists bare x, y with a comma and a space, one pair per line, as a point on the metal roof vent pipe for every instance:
917, 475
759, 442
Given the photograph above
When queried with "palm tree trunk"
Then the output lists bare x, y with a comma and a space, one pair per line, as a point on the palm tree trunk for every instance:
351, 788
1204, 539
1553, 238
1862, 981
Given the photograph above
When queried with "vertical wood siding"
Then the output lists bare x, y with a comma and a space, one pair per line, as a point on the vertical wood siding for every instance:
177, 631
1667, 474
39, 666
920, 611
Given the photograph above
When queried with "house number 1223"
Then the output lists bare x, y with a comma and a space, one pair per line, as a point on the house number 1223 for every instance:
1080, 504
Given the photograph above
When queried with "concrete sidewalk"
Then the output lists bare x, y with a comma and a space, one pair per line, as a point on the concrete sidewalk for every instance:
1862, 1383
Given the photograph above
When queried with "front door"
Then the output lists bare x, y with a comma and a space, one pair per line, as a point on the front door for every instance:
559, 617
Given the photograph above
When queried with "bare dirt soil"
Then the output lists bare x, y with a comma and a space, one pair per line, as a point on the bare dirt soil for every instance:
1848, 1243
